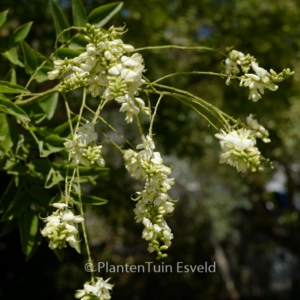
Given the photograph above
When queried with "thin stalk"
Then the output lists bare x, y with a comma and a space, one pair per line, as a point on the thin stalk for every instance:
154, 114
90, 261
68, 113
81, 110
176, 47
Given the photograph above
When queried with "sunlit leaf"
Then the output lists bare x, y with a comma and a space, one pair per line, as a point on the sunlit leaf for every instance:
11, 76
10, 108
28, 226
53, 178
60, 21
12, 56
30, 59
7, 132
79, 13
89, 199
48, 104
3, 16
10, 88
42, 75
62, 53
102, 14
19, 34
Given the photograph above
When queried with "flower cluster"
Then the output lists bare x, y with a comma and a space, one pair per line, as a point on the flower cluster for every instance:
258, 82
60, 227
95, 291
83, 148
258, 130
237, 60
153, 203
106, 63
240, 152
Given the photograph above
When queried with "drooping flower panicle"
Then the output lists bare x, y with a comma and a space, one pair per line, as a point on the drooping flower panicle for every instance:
153, 203
60, 227
259, 80
83, 148
106, 64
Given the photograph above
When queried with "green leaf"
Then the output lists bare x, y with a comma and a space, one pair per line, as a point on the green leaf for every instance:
12, 56
10, 88
6, 133
101, 15
93, 200
30, 59
78, 42
10, 108
19, 34
53, 178
84, 171
55, 199
62, 53
60, 22
3, 16
42, 74
40, 195
11, 76
28, 226
43, 109
39, 168
48, 104
19, 203
64, 128
7, 196
8, 227
37, 241
79, 13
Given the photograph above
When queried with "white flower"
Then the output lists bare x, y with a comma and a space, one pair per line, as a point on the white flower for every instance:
258, 129
100, 290
82, 149
153, 203
257, 82
60, 227
238, 150
238, 138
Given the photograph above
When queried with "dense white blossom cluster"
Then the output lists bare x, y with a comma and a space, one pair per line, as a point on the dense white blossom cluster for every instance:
83, 149
239, 149
106, 64
95, 291
60, 227
259, 80
237, 60
153, 203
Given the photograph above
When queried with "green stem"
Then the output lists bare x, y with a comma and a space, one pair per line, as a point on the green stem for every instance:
81, 110
154, 114
68, 113
83, 226
191, 73
35, 97
176, 47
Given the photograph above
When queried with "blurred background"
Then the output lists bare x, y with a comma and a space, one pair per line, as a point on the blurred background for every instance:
247, 223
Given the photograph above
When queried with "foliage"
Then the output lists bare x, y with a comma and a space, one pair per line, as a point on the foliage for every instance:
34, 126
